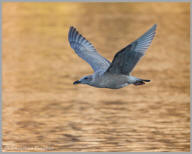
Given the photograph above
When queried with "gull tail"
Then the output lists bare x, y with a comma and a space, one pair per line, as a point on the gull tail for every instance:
140, 82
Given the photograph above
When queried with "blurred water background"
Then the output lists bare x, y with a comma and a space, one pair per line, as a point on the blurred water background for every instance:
44, 111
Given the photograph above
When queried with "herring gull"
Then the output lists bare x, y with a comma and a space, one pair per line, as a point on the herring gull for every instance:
113, 75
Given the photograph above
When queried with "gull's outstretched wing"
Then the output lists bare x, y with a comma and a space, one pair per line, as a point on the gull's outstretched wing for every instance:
126, 59
86, 50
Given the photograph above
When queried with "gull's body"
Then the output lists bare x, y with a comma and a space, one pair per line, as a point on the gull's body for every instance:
113, 81
113, 75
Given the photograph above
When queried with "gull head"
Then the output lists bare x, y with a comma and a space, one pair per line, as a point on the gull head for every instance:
84, 80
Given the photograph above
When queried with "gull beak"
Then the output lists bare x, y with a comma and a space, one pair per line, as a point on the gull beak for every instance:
76, 82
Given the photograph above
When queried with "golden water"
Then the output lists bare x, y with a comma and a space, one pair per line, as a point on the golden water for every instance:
44, 111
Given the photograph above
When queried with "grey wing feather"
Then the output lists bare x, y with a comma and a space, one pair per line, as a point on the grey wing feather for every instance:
126, 59
86, 50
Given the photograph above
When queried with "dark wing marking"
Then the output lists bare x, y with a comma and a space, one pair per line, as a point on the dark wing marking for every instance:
126, 59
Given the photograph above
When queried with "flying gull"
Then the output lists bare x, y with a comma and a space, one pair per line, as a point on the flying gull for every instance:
113, 75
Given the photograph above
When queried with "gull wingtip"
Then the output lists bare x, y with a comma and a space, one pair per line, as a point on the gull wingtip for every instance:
72, 28
154, 26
